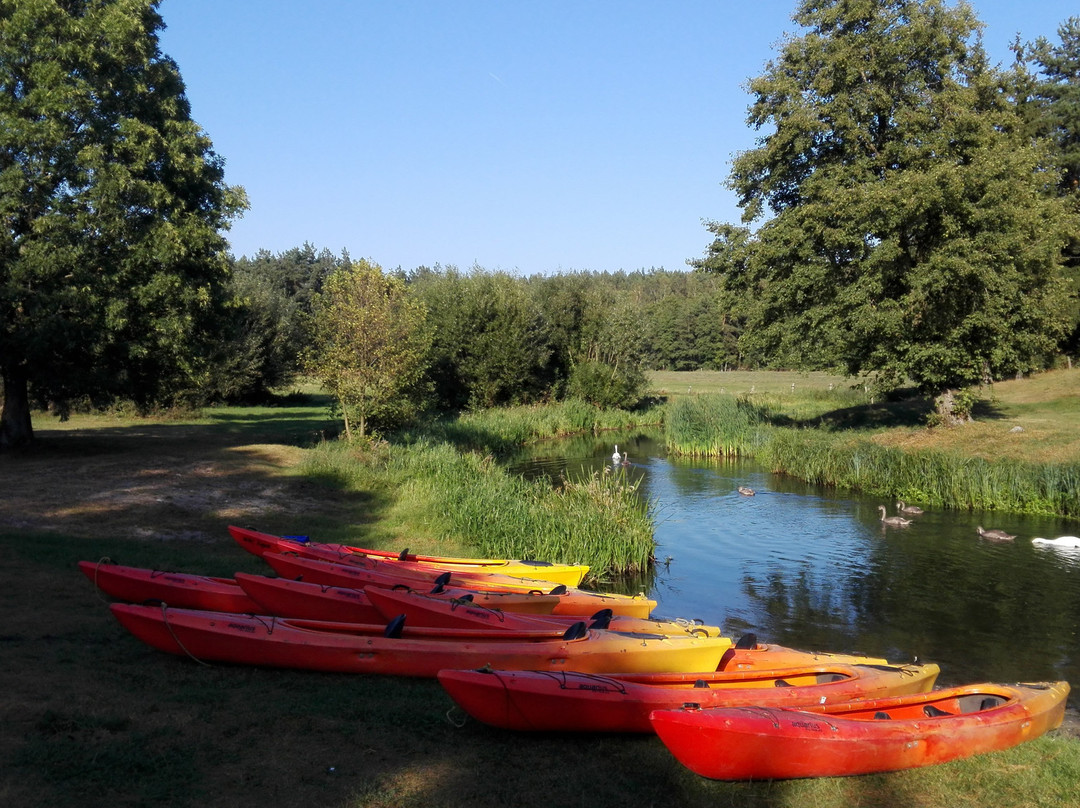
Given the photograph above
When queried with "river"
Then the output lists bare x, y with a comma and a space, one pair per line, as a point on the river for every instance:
815, 568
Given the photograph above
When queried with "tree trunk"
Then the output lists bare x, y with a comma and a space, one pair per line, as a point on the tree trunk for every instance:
16, 430
946, 405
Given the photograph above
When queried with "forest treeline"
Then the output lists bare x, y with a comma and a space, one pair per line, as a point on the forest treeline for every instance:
495, 338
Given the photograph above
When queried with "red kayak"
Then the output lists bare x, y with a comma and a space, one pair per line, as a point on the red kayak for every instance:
861, 737
579, 702
138, 585
288, 598
393, 649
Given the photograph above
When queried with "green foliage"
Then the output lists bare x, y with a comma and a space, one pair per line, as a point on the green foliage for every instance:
912, 235
368, 346
111, 257
490, 344
1057, 96
607, 386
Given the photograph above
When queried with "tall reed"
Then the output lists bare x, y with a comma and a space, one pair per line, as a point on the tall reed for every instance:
467, 498
717, 425
714, 425
503, 429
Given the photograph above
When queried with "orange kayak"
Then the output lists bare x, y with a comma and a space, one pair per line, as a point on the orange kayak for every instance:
861, 737
569, 600
748, 654
580, 702
392, 649
432, 610
260, 543
138, 585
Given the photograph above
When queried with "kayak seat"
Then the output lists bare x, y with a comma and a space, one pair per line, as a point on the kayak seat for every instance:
576, 631
930, 711
782, 683
990, 702
403, 555
601, 621
395, 627
882, 716
701, 683
747, 641
558, 590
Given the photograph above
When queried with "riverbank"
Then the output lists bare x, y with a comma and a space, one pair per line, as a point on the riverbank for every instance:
1022, 454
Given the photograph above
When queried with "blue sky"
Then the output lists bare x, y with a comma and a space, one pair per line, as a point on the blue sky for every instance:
526, 136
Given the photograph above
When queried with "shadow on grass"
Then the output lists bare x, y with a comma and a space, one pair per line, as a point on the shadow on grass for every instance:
903, 409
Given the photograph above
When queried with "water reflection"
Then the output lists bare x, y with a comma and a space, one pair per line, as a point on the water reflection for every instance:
815, 568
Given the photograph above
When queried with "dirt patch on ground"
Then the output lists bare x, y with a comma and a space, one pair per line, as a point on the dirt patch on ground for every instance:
164, 482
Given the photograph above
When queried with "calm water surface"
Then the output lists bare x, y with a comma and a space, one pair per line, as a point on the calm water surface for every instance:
814, 568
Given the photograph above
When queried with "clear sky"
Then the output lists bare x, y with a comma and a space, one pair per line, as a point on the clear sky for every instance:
532, 136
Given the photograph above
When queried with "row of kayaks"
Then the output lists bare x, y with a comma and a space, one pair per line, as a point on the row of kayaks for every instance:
537, 653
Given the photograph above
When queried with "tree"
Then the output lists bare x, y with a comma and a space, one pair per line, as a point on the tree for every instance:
1059, 94
112, 203
491, 344
1056, 97
368, 345
912, 234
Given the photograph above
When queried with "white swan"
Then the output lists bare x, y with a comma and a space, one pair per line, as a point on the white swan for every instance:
1060, 541
897, 521
616, 458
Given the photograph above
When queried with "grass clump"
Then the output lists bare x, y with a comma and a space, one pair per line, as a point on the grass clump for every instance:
715, 425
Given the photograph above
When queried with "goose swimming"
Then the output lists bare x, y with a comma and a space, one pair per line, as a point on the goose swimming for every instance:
995, 534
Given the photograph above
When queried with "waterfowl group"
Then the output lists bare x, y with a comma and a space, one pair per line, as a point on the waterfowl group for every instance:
895, 521
995, 535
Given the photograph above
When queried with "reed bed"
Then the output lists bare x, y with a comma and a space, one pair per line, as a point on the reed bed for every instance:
713, 426
470, 500
501, 430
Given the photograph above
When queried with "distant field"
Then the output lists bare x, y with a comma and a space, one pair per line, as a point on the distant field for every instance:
675, 383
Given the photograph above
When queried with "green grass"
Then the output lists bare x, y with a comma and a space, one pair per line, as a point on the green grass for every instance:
466, 500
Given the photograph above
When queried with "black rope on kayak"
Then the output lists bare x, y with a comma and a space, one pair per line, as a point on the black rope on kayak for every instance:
165, 620
467, 600
561, 678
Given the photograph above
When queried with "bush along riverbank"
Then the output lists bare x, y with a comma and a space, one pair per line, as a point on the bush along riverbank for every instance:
722, 425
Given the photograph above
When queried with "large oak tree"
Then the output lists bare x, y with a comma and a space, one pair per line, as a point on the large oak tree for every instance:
112, 207
905, 222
